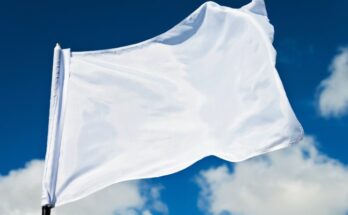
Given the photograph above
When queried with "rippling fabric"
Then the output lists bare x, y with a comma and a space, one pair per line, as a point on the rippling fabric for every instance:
207, 86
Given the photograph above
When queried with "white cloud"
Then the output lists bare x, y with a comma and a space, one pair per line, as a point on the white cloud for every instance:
333, 91
20, 194
297, 180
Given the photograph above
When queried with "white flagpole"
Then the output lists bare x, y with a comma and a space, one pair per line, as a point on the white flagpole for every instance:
46, 209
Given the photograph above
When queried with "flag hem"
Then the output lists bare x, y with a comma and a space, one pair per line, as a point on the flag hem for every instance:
60, 75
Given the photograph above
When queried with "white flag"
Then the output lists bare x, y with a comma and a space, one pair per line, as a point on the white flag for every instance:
208, 86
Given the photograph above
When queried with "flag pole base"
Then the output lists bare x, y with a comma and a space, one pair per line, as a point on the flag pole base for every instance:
46, 210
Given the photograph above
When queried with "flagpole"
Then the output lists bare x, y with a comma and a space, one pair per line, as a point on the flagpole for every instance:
46, 210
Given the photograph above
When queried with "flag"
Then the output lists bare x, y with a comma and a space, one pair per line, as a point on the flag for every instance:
207, 86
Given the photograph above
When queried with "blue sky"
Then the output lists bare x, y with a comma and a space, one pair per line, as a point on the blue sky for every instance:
308, 37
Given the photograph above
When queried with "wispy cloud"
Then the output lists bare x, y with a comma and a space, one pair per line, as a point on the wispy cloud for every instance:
333, 91
297, 180
20, 194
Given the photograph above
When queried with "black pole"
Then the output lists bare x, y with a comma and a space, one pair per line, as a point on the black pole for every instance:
46, 210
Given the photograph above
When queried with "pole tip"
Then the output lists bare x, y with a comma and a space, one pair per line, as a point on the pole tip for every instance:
57, 46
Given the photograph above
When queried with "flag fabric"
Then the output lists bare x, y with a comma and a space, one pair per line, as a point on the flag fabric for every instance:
207, 86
